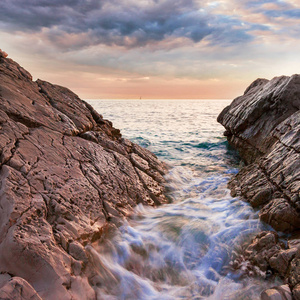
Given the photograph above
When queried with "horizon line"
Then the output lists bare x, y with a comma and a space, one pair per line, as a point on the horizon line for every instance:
157, 98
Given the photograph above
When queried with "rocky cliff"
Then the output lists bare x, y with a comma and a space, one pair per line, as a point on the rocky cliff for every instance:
66, 176
264, 126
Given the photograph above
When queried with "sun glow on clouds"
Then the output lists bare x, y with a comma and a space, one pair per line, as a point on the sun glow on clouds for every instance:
153, 48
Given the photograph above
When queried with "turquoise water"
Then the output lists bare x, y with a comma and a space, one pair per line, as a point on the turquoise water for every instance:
180, 250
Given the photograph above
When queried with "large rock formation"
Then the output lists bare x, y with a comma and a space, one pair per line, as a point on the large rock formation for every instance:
66, 176
264, 126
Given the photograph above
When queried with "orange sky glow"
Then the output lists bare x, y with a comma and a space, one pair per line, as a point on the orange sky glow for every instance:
128, 49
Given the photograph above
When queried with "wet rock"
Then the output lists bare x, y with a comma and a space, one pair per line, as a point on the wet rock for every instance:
280, 215
267, 255
282, 292
262, 249
66, 173
281, 260
294, 275
254, 259
265, 128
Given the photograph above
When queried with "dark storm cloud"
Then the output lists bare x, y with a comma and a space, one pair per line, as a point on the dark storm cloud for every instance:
118, 22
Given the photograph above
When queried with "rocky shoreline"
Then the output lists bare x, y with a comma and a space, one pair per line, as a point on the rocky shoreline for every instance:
67, 178
264, 126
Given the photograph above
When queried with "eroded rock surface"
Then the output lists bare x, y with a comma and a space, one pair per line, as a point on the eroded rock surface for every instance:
264, 126
266, 256
66, 176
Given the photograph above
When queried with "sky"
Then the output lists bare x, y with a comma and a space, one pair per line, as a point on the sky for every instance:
107, 49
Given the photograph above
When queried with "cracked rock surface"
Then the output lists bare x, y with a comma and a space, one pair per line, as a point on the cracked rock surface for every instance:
264, 126
66, 176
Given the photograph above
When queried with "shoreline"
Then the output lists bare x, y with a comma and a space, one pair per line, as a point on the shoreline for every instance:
263, 125
66, 173
68, 177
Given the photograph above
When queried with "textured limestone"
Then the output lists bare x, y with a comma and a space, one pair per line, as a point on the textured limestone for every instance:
267, 255
16, 288
66, 177
264, 126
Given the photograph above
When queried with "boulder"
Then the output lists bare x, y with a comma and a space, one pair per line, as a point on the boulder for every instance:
282, 292
18, 289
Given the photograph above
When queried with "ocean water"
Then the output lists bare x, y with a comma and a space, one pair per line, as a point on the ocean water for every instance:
180, 250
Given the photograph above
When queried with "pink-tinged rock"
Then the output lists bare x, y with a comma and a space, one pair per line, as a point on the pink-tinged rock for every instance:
282, 292
3, 54
264, 126
66, 176
17, 288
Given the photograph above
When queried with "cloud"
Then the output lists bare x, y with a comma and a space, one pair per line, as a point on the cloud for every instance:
73, 24
126, 40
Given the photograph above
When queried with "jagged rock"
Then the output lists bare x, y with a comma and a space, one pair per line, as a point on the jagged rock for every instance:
296, 292
267, 255
282, 292
263, 247
280, 215
2, 53
18, 289
251, 118
66, 176
281, 260
264, 126
294, 278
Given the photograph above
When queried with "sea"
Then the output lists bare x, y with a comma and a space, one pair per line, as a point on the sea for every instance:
180, 250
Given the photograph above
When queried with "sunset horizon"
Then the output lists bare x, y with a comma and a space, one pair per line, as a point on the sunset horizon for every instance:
150, 149
153, 49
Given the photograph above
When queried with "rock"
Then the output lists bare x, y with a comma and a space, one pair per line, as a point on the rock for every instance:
282, 292
294, 276
280, 215
281, 260
267, 255
18, 289
254, 258
252, 118
264, 126
66, 176
296, 292
263, 247
3, 54
77, 251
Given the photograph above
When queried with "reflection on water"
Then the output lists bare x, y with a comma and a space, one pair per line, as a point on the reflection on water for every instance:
180, 250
